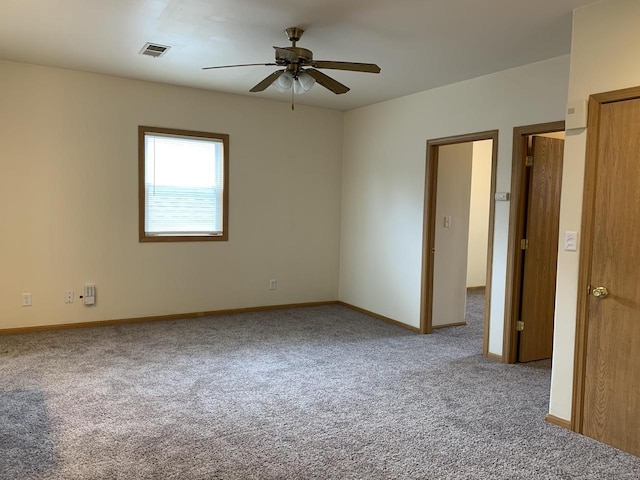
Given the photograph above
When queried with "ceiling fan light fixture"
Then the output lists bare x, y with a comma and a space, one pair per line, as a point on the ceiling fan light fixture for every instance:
284, 82
300, 83
303, 83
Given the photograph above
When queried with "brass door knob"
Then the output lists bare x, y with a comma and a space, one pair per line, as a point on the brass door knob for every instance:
600, 292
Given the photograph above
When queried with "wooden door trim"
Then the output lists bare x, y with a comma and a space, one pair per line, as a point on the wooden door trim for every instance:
428, 227
584, 269
516, 229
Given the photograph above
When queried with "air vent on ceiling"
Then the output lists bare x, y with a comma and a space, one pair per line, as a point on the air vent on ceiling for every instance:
154, 49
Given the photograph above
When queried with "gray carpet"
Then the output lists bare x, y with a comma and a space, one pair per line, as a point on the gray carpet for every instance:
312, 393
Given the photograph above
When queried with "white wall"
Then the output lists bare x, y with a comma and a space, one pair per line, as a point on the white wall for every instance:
384, 173
604, 57
479, 213
69, 196
450, 258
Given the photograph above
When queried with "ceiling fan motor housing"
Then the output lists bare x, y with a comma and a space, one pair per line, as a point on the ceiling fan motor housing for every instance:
287, 55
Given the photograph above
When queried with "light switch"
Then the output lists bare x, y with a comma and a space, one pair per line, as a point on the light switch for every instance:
571, 241
447, 222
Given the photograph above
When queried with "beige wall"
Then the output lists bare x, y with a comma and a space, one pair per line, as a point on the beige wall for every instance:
69, 195
603, 58
450, 258
383, 180
479, 213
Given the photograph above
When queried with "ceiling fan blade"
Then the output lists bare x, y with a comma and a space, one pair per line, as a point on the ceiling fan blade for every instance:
351, 66
327, 82
241, 65
267, 81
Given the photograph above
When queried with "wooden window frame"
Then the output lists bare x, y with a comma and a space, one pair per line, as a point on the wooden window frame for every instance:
224, 138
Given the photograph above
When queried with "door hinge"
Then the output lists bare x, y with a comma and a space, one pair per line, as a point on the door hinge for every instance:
528, 162
519, 325
524, 243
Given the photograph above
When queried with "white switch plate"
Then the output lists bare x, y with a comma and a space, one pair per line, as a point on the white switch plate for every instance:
570, 241
26, 299
447, 222
273, 284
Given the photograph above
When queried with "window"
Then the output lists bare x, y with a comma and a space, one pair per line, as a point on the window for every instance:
183, 183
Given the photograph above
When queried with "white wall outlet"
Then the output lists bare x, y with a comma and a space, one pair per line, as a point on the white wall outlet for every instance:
26, 299
273, 284
68, 296
570, 241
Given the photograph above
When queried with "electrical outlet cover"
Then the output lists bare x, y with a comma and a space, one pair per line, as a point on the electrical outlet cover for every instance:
26, 299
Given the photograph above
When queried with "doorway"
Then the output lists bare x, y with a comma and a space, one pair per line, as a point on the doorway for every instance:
536, 182
436, 247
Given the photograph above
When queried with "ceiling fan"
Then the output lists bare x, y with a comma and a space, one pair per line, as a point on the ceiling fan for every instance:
300, 69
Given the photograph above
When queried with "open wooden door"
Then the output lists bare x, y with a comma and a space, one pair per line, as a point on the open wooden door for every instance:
611, 265
540, 249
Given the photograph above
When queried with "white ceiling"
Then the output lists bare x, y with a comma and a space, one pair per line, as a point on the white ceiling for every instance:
419, 44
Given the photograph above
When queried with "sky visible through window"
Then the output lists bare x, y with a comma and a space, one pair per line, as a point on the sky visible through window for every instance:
181, 162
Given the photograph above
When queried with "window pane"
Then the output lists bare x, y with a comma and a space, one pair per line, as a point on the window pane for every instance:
183, 185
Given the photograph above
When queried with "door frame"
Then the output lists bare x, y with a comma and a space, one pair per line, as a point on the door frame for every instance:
584, 270
429, 227
517, 216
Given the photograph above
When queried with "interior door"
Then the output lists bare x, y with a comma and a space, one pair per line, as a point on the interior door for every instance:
541, 254
452, 235
612, 382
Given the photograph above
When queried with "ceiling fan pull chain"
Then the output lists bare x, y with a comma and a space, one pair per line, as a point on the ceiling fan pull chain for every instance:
292, 99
